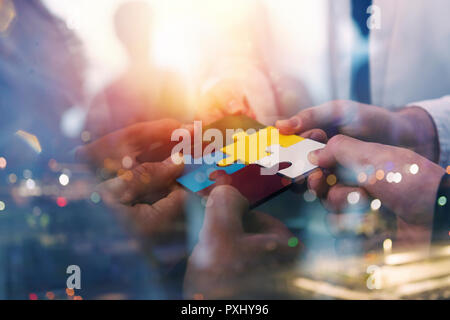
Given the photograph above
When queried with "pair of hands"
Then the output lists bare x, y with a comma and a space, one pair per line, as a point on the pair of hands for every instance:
410, 127
365, 139
233, 242
145, 194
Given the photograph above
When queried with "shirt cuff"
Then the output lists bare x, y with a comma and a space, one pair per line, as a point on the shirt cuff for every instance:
439, 110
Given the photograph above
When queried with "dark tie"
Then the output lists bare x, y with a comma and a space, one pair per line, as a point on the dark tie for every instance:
360, 87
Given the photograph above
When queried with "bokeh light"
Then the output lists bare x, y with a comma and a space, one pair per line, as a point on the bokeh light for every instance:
2, 206
3, 163
414, 169
379, 174
390, 177
397, 177
95, 197
12, 178
50, 295
61, 202
53, 165
64, 179
375, 204
293, 242
27, 174
70, 292
85, 136
127, 162
362, 177
442, 201
310, 196
331, 180
387, 245
33, 296
30, 184
353, 197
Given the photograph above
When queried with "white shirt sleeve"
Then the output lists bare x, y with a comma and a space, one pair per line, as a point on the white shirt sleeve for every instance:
439, 110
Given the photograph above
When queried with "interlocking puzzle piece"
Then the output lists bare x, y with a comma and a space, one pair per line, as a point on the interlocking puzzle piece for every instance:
296, 154
250, 148
195, 176
251, 184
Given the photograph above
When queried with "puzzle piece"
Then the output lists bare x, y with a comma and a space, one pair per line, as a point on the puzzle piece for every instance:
195, 176
250, 183
250, 148
296, 154
190, 164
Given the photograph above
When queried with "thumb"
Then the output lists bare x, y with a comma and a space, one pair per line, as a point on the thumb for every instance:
344, 151
223, 216
149, 180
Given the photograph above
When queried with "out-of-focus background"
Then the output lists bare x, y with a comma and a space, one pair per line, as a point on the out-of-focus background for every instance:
183, 31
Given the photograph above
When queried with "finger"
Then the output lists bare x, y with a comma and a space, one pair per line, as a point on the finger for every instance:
149, 181
127, 141
162, 216
325, 116
345, 151
317, 182
315, 134
223, 215
342, 198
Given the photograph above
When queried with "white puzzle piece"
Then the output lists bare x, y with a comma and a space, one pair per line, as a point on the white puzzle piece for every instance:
296, 154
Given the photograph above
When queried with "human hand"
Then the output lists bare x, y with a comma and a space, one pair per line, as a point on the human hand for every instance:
404, 182
121, 149
410, 127
248, 93
226, 97
148, 198
234, 244
145, 193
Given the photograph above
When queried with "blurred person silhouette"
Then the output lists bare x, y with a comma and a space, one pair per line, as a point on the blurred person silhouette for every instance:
144, 91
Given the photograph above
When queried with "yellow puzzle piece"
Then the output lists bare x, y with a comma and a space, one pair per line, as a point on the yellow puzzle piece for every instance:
250, 148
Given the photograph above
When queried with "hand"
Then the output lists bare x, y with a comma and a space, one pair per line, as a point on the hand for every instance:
148, 198
410, 127
145, 192
249, 94
109, 151
411, 196
227, 97
233, 245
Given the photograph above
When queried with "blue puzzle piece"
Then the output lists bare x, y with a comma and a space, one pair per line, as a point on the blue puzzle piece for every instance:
196, 176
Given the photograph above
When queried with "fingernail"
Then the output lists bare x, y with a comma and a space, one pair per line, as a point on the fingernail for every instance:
313, 157
292, 123
316, 136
